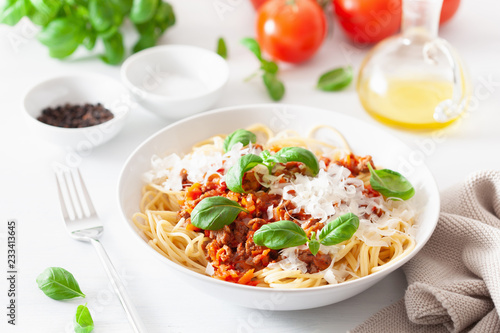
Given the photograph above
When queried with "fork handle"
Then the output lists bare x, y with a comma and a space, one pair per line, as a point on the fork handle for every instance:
119, 288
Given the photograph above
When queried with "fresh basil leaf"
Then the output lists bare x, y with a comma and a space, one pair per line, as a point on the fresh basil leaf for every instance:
269, 66
213, 213
339, 230
275, 87
234, 176
164, 17
83, 320
43, 11
62, 36
143, 10
13, 11
302, 155
313, 246
114, 49
58, 283
146, 40
103, 14
240, 135
252, 45
222, 48
336, 79
270, 159
280, 235
123, 5
108, 33
391, 184
90, 39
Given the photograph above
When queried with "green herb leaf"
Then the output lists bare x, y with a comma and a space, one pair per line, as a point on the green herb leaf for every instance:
164, 17
302, 155
234, 176
391, 184
339, 230
58, 283
280, 235
62, 36
275, 87
83, 320
103, 14
313, 244
43, 11
123, 5
222, 48
213, 213
13, 11
90, 39
252, 45
145, 41
271, 159
240, 135
269, 66
143, 10
336, 79
114, 49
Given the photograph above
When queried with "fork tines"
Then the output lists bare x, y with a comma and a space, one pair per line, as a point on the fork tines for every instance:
74, 197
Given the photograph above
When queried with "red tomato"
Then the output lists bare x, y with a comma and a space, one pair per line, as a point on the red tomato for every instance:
449, 9
291, 30
257, 3
370, 21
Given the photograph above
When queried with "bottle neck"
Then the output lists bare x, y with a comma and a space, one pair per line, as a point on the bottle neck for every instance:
421, 17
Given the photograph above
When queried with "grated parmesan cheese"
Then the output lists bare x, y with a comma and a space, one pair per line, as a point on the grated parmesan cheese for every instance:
199, 165
325, 197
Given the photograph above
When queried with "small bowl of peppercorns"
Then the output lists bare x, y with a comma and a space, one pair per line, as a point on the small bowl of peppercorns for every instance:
77, 112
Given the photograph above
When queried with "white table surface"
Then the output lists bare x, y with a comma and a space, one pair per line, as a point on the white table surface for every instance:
167, 304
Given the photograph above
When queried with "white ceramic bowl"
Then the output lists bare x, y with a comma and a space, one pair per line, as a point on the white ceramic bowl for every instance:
175, 81
77, 89
364, 139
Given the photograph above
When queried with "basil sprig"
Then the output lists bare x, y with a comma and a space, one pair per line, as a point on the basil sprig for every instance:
283, 234
391, 184
58, 283
222, 48
299, 154
336, 79
213, 213
234, 176
339, 230
83, 320
65, 25
240, 135
269, 70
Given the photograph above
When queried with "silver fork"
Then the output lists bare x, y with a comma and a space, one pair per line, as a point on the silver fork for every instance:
84, 225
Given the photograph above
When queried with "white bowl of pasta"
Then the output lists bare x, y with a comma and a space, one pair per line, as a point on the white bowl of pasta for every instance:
300, 209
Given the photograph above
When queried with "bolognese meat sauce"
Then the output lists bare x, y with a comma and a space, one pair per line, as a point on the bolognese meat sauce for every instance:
231, 250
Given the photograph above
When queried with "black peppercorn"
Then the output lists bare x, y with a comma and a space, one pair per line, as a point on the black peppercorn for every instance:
75, 116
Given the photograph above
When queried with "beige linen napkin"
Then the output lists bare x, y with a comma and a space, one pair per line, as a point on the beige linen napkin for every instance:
454, 281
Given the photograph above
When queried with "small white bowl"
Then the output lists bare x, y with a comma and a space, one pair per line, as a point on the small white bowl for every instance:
175, 81
77, 89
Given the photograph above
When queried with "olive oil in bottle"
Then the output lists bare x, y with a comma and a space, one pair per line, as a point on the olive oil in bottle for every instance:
414, 80
405, 102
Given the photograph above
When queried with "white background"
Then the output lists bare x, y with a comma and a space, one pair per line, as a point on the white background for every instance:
28, 192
